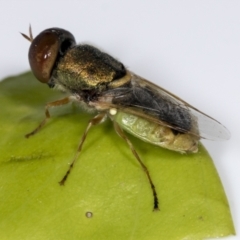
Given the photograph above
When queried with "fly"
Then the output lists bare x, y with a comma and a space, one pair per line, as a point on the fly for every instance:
103, 85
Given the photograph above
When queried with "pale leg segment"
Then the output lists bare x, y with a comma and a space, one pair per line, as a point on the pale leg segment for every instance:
125, 138
95, 121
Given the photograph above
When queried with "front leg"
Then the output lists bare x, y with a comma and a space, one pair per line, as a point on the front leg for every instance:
47, 114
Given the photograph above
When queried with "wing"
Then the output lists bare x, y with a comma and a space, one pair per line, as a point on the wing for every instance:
145, 99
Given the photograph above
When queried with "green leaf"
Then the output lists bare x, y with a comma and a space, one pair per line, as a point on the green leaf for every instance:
106, 180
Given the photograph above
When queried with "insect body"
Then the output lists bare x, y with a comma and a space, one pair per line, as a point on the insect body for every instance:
103, 85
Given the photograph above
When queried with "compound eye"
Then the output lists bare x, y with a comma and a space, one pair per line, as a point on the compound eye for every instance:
46, 48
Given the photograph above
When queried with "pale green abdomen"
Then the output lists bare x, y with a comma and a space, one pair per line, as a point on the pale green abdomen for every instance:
156, 134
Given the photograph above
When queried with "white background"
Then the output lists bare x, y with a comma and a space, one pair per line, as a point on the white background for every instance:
191, 48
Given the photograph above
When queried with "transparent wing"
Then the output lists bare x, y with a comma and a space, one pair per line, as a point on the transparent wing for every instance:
145, 99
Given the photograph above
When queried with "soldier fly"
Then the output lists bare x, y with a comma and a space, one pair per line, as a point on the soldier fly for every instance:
102, 84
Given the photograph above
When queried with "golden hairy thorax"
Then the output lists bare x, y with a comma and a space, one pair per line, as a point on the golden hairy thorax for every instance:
83, 68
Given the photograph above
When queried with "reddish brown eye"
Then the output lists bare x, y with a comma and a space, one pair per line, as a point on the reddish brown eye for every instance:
46, 48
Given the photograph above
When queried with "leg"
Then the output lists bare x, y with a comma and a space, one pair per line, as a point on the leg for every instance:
47, 114
122, 135
95, 121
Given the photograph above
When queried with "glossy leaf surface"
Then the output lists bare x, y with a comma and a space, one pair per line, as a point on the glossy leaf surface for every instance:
106, 180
